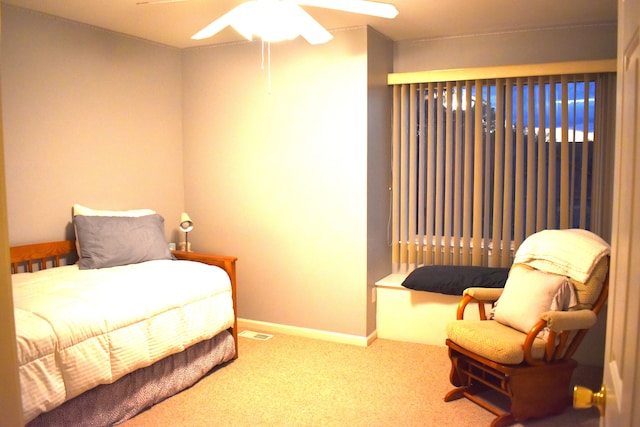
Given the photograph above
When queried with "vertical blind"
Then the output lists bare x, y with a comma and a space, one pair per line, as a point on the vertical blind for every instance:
479, 165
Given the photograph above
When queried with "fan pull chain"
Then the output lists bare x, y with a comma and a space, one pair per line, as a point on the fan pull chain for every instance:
268, 64
269, 67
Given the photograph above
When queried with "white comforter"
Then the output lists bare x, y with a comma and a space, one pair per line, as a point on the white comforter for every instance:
77, 329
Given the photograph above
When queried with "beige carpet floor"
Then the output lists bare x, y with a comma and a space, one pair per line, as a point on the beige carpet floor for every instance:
294, 381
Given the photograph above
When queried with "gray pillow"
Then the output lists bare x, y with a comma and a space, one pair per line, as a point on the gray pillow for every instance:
109, 241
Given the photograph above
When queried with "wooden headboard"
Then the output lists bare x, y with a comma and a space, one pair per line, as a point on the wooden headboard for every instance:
40, 254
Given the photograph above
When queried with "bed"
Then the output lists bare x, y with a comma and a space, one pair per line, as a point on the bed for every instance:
97, 345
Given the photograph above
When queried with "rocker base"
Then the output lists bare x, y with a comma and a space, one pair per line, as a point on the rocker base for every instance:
532, 391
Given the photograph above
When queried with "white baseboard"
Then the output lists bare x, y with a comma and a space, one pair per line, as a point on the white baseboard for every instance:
274, 328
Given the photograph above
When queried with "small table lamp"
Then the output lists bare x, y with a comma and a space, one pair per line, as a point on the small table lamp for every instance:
186, 225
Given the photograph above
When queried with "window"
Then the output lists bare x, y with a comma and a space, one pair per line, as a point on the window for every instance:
479, 165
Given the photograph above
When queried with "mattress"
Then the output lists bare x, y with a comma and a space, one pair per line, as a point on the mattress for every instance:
77, 329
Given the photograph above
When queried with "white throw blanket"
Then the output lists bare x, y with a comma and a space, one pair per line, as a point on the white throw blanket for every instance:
570, 252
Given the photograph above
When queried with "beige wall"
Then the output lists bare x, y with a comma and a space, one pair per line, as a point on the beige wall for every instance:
280, 179
90, 117
549, 45
10, 402
379, 113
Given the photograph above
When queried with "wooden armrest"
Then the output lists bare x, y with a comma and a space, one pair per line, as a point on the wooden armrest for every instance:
480, 295
531, 337
487, 295
559, 321
560, 340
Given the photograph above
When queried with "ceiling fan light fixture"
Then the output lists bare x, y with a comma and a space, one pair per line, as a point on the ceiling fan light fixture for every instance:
278, 20
269, 20
274, 20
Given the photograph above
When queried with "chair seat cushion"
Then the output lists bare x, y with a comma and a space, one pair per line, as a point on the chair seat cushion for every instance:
492, 340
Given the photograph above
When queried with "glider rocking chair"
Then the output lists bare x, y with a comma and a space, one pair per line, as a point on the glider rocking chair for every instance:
523, 349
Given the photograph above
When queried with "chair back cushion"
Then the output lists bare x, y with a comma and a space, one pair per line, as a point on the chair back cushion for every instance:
589, 291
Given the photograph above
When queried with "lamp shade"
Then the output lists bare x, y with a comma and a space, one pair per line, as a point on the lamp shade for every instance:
186, 224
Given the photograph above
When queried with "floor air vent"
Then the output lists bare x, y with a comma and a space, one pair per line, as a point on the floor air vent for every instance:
255, 335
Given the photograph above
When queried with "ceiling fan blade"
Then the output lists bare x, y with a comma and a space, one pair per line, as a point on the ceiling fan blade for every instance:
373, 8
229, 18
311, 29
159, 1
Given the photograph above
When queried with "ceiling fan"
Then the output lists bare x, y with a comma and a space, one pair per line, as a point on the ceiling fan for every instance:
277, 20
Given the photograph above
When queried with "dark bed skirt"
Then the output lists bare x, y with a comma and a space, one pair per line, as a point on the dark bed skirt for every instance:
115, 403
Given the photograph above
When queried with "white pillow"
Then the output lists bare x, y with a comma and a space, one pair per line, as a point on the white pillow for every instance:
83, 210
528, 293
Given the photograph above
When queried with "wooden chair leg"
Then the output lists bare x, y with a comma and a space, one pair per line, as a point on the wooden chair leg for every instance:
455, 394
503, 421
458, 375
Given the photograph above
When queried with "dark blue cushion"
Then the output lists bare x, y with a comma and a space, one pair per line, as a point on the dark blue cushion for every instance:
453, 280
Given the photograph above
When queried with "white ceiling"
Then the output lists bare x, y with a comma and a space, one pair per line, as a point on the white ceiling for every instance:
173, 23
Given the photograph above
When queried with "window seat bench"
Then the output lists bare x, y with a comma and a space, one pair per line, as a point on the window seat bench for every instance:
405, 314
